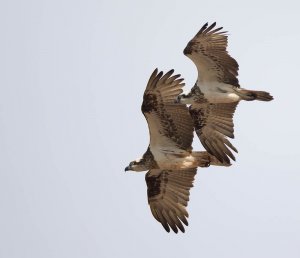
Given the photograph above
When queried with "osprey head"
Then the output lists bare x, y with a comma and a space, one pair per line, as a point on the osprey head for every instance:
137, 165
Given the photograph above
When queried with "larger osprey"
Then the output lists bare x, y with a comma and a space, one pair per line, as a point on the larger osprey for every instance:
217, 91
169, 158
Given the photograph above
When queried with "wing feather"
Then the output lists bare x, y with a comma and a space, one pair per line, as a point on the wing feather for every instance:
170, 124
213, 123
208, 50
168, 196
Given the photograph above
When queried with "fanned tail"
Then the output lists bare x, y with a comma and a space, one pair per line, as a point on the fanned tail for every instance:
254, 95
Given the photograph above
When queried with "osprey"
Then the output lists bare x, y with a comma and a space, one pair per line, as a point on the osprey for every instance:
169, 158
217, 92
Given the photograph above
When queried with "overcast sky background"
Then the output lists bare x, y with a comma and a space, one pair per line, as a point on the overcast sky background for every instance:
71, 84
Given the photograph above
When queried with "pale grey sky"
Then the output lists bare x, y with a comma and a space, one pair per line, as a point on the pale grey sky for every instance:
72, 78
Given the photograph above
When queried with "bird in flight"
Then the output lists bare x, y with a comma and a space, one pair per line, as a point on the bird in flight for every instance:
171, 162
170, 159
217, 92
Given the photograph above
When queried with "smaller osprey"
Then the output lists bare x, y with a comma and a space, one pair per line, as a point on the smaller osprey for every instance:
169, 158
217, 91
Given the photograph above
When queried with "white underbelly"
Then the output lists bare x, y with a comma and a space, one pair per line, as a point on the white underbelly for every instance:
168, 160
218, 92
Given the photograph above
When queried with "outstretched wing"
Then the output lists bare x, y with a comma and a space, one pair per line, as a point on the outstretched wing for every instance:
213, 124
170, 124
168, 195
208, 51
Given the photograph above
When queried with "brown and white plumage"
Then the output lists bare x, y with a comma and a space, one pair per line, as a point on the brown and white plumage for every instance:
169, 158
217, 91
168, 195
213, 124
170, 125
208, 51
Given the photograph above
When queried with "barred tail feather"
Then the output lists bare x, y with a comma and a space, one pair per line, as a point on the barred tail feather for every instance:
205, 159
254, 95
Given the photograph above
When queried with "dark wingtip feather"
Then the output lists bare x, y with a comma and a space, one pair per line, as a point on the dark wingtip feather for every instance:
202, 29
167, 75
154, 73
166, 227
174, 228
184, 220
181, 227
210, 27
156, 79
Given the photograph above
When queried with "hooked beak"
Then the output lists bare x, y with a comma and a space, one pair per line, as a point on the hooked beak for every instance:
127, 168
